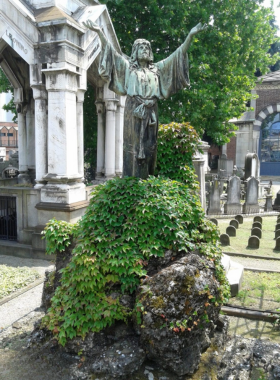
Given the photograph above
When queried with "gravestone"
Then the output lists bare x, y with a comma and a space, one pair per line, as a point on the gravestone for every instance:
277, 245
239, 218
277, 227
233, 205
214, 207
268, 202
276, 205
234, 223
277, 234
251, 166
224, 239
254, 242
251, 205
257, 224
231, 231
214, 220
256, 232
258, 219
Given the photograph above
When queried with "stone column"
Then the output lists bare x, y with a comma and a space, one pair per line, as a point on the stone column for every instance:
23, 176
119, 136
30, 140
80, 131
198, 161
100, 162
63, 177
110, 138
40, 96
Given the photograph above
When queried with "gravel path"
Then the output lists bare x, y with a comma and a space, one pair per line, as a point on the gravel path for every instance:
257, 263
25, 303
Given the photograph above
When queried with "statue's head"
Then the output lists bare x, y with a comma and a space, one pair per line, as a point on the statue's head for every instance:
135, 51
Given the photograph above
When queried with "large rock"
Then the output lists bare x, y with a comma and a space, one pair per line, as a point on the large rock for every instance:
180, 296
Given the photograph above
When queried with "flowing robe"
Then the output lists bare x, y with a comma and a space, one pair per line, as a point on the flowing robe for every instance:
143, 88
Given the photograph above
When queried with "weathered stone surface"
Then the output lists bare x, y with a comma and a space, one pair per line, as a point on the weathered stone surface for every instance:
239, 218
231, 231
251, 205
254, 242
214, 207
257, 224
233, 205
214, 220
258, 219
171, 295
256, 232
234, 223
224, 239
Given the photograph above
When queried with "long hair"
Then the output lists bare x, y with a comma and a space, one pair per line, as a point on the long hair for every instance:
134, 55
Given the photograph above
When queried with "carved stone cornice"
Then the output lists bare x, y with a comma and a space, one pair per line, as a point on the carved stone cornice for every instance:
111, 104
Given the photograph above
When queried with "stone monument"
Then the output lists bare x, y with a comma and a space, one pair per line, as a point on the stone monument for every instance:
251, 205
233, 205
144, 82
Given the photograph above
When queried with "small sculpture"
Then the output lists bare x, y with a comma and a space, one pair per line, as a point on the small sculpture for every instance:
144, 82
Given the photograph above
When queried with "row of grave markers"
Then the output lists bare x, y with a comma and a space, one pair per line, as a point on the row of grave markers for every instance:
233, 205
256, 231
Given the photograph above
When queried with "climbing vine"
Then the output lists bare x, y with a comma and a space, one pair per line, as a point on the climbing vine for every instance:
177, 143
128, 221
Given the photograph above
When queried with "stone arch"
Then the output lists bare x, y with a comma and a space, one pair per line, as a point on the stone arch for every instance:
262, 115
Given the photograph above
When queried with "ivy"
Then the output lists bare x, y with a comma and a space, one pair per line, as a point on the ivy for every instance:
59, 235
177, 143
128, 221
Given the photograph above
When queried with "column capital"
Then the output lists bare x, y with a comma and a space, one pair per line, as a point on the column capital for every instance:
111, 104
80, 95
61, 80
39, 92
100, 106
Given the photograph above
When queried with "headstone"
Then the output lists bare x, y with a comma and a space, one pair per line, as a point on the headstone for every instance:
251, 166
258, 219
233, 205
231, 231
254, 242
277, 234
276, 205
226, 165
234, 223
251, 205
257, 224
277, 245
239, 218
214, 207
277, 227
224, 239
268, 203
214, 220
256, 232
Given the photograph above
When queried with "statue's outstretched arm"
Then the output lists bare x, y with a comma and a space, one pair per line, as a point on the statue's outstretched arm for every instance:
96, 28
198, 28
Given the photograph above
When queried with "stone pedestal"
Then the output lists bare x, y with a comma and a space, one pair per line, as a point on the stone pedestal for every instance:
268, 203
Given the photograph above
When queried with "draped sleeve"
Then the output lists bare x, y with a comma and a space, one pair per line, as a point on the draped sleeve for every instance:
173, 73
114, 69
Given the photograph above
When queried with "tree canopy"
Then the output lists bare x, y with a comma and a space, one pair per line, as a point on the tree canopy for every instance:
223, 59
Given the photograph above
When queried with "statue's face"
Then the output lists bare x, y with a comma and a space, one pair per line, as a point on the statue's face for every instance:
143, 52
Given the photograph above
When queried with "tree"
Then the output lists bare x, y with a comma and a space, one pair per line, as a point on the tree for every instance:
223, 59
5, 86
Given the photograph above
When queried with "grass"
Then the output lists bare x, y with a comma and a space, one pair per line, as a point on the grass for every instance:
259, 291
13, 279
239, 243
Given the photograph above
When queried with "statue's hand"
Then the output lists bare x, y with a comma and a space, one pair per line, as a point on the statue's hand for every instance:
198, 28
92, 26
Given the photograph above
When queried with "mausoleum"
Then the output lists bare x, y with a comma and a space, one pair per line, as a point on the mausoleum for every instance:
49, 57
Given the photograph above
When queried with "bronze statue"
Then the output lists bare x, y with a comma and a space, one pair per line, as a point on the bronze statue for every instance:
144, 82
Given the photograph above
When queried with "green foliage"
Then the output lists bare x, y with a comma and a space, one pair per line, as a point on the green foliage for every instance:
177, 143
5, 86
59, 235
223, 60
128, 221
